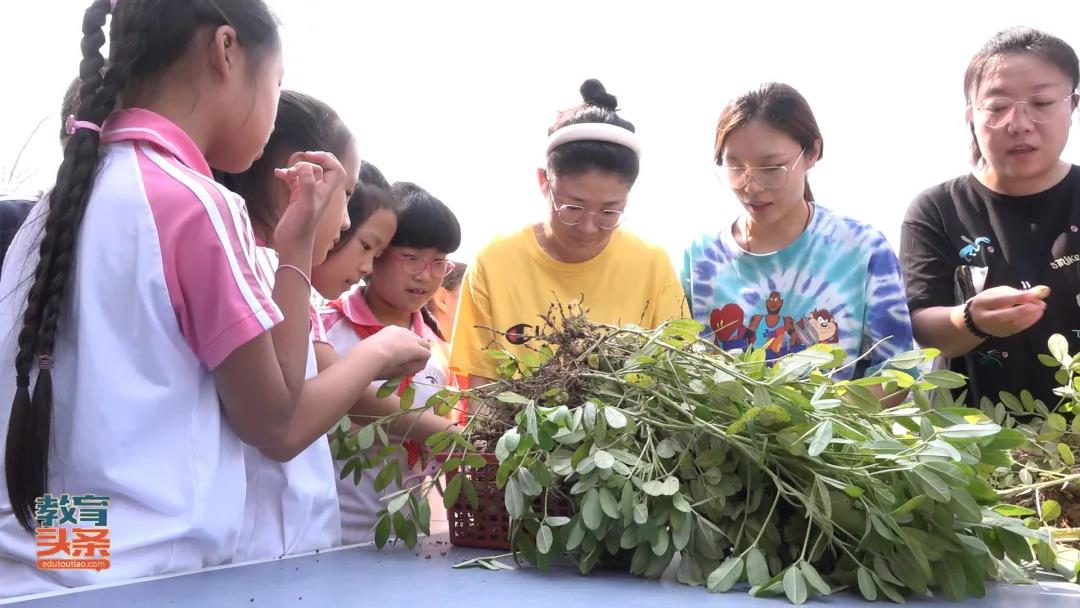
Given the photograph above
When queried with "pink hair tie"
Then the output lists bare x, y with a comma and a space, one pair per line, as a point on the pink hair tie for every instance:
45, 362
71, 125
112, 5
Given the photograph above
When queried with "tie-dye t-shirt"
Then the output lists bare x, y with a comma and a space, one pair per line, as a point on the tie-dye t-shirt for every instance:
839, 282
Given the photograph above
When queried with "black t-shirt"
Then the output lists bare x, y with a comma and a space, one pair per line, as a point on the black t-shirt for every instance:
963, 229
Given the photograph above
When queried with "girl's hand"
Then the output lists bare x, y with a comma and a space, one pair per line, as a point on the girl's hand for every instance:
312, 183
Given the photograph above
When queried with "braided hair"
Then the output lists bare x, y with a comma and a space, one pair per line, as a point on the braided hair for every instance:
146, 37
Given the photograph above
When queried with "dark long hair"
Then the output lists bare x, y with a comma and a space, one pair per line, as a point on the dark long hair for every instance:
302, 123
145, 38
782, 108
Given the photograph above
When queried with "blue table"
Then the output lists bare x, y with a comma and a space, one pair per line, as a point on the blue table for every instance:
422, 578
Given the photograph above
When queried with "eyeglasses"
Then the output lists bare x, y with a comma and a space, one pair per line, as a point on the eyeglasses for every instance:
996, 112
414, 265
769, 178
572, 215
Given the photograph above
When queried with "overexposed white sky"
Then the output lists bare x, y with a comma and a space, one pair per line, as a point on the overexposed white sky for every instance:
457, 96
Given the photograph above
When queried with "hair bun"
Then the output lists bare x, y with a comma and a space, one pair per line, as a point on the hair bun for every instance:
594, 94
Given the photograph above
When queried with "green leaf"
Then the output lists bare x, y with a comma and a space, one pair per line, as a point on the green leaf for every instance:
969, 431
1066, 453
470, 493
544, 539
653, 487
665, 449
398, 501
910, 505
963, 505
531, 424
641, 513
854, 491
527, 483
881, 569
952, 474
512, 398
474, 461
387, 388
679, 502
913, 358
453, 490
640, 380
1006, 439
951, 578
973, 544
1016, 546
407, 396
575, 536
388, 474
866, 585
1059, 348
669, 486
1049, 361
864, 398
365, 437
821, 439
934, 487
814, 578
615, 418
507, 444
660, 546
1011, 402
608, 504
1057, 422
1046, 555
592, 513
1013, 511
514, 499
795, 586
681, 538
603, 460
945, 379
757, 571
725, 576
451, 464
382, 530
1051, 511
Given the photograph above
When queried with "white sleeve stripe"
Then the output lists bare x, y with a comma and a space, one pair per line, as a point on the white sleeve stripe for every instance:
239, 223
213, 213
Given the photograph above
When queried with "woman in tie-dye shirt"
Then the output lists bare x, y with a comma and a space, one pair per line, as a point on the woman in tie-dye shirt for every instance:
788, 273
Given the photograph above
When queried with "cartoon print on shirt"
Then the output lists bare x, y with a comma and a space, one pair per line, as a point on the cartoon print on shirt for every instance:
728, 325
973, 248
824, 326
777, 327
772, 330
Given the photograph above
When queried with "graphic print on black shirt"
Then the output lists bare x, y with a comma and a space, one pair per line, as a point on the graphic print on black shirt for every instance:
960, 238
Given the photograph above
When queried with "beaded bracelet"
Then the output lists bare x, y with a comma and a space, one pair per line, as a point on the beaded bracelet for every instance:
970, 324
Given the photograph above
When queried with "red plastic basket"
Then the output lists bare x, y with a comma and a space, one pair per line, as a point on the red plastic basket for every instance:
488, 525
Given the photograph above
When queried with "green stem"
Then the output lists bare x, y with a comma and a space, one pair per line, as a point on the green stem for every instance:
1038, 486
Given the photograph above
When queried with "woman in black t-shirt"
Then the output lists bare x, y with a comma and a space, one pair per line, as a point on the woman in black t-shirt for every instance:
979, 252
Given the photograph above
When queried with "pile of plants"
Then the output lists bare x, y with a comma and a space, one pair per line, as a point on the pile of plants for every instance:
778, 475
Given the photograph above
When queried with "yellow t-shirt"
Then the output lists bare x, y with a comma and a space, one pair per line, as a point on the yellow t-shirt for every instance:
513, 282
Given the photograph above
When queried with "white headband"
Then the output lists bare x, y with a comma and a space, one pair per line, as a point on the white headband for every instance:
594, 131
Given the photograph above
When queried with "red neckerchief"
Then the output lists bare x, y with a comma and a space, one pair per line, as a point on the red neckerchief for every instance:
366, 331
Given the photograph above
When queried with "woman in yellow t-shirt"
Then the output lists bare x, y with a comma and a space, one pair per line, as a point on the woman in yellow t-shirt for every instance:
578, 253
